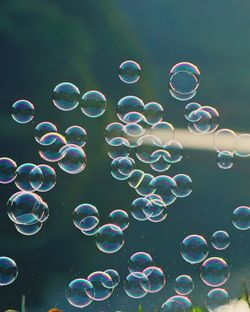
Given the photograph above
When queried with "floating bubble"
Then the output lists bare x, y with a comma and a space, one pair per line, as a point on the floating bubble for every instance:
155, 207
137, 208
146, 146
194, 249
100, 281
201, 120
220, 240
164, 186
119, 218
109, 238
216, 298
114, 276
175, 150
160, 160
76, 293
183, 285
43, 128
214, 272
177, 304
118, 147
132, 132
164, 131
242, 145
76, 135
159, 218
93, 104
215, 118
86, 217
51, 145
121, 167
183, 185
135, 285
45, 214
36, 178
241, 218
29, 229
25, 181
129, 72
156, 278
7, 170
189, 108
8, 271
153, 113
135, 178
49, 178
74, 159
139, 261
129, 104
114, 130
23, 111
66, 96
225, 140
144, 187
225, 160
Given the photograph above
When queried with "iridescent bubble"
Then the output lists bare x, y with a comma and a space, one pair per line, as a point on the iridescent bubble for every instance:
127, 105
220, 240
225, 140
132, 132
225, 160
242, 145
49, 178
129, 72
45, 214
100, 280
157, 279
194, 249
183, 285
50, 146
74, 159
29, 229
109, 238
76, 293
164, 131
23, 177
66, 96
153, 113
175, 150
241, 218
216, 298
183, 185
120, 218
93, 104
8, 271
146, 146
189, 108
76, 135
7, 170
23, 111
135, 118
164, 186
214, 272
160, 160
114, 276
86, 217
139, 261
36, 178
135, 285
43, 128
135, 178
201, 120
114, 130
177, 304
121, 167
137, 208
144, 186
155, 207
118, 147
159, 218
215, 118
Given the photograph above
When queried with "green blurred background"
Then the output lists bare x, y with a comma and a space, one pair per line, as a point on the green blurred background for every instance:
47, 42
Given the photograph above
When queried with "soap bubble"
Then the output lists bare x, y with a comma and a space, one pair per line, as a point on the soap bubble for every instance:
76, 293
157, 279
241, 218
194, 249
216, 298
29, 229
155, 206
120, 218
139, 261
135, 178
215, 118
93, 104
49, 178
74, 159
153, 113
25, 181
164, 186
137, 208
183, 285
146, 146
85, 217
201, 120
164, 131
114, 276
50, 146
76, 135
121, 167
43, 128
220, 240
144, 187
135, 285
183, 185
132, 132
100, 281
189, 108
177, 304
225, 140
160, 160
109, 238
214, 272
66, 96
175, 150
225, 160
114, 130
127, 105
118, 147
159, 218
36, 178
242, 145
8, 271
23, 111
7, 170
129, 72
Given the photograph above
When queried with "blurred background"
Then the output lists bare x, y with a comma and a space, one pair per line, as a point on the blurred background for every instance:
47, 42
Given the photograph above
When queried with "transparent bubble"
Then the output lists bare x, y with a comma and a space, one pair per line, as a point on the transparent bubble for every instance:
119, 218
109, 238
7, 170
93, 104
76, 293
66, 96
241, 218
225, 160
121, 167
135, 285
183, 285
189, 108
159, 218
225, 140
153, 113
177, 304
164, 131
74, 159
137, 208
23, 111
133, 132
139, 261
175, 150
50, 146
118, 147
86, 217
114, 276
164, 186
160, 160
100, 281
220, 240
45, 214
146, 146
157, 279
144, 186
215, 118
194, 249
129, 72
201, 120
183, 185
8, 271
127, 105
242, 145
76, 135
155, 207
25, 181
214, 272
29, 229
43, 128
114, 130
216, 298
49, 178
135, 178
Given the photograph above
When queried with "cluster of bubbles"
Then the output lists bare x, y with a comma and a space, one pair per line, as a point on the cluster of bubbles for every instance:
98, 286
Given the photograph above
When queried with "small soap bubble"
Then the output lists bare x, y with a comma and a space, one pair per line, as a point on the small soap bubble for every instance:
49, 178
74, 159
183, 185
114, 130
164, 131
160, 160
225, 160
241, 218
76, 135
214, 272
175, 150
132, 132
135, 178
146, 146
194, 249
129, 72
118, 147
23, 177
43, 128
137, 208
164, 186
93, 104
120, 218
183, 285
66, 96
159, 218
109, 238
225, 140
129, 104
114, 276
153, 113
220, 240
215, 118
86, 217
29, 229
121, 167
189, 108
201, 120
8, 271
155, 207
76, 293
157, 279
145, 187
51, 145
216, 298
23, 111
7, 170
102, 284
135, 285
177, 304
139, 261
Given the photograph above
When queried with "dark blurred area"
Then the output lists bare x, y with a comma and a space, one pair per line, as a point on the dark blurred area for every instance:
47, 42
